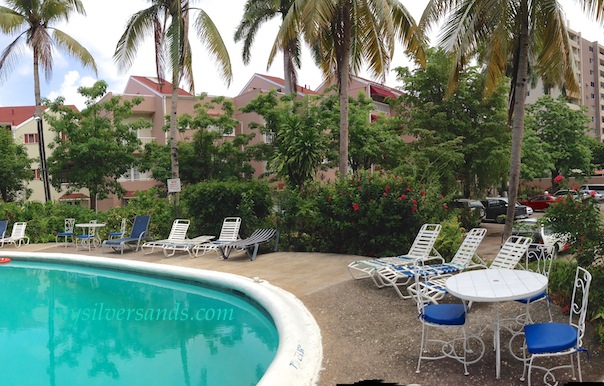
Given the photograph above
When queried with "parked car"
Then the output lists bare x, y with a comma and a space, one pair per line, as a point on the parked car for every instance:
467, 203
560, 194
539, 202
496, 208
593, 193
541, 234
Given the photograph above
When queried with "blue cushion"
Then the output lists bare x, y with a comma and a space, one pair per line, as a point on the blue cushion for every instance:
549, 337
445, 314
64, 234
533, 298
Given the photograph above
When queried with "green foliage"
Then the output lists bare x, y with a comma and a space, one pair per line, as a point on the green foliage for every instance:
15, 166
461, 135
364, 214
208, 203
468, 218
582, 220
450, 238
96, 146
562, 144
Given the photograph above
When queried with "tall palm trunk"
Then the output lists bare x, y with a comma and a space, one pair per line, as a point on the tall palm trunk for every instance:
38, 115
289, 69
343, 73
173, 129
518, 116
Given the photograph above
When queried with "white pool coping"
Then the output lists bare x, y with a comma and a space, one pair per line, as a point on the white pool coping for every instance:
300, 351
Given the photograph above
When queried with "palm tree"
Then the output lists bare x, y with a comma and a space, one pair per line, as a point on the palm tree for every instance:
344, 35
257, 12
522, 35
32, 21
168, 22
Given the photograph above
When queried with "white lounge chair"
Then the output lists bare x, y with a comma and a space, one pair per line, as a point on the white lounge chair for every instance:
17, 237
186, 245
508, 258
178, 233
465, 257
228, 234
422, 248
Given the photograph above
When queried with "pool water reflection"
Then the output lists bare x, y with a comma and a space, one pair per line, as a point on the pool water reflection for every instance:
65, 324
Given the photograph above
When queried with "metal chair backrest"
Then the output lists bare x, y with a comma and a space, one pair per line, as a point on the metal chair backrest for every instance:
123, 226
511, 252
18, 230
230, 228
179, 229
69, 224
579, 300
468, 247
424, 241
539, 258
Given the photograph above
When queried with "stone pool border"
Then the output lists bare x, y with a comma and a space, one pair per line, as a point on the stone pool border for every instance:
300, 353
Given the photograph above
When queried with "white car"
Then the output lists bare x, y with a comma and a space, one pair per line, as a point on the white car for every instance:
541, 234
589, 192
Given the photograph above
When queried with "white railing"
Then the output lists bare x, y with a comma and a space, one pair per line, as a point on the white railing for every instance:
382, 107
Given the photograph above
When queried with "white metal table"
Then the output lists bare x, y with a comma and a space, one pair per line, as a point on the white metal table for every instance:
496, 285
92, 231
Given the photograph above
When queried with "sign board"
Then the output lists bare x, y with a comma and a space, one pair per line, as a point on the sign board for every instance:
174, 185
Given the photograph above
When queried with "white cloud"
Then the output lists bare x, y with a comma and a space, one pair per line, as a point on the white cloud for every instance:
69, 89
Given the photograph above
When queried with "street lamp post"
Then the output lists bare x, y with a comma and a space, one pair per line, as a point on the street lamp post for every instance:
42, 150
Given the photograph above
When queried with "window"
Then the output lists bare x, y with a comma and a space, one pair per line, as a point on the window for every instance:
37, 174
30, 138
591, 49
270, 137
592, 84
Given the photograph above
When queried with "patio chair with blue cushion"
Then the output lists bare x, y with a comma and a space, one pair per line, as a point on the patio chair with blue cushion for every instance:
17, 237
120, 232
138, 233
422, 248
466, 349
557, 339
67, 232
465, 257
3, 226
252, 243
508, 257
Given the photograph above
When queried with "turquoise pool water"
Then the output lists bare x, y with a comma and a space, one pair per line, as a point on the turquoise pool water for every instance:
71, 325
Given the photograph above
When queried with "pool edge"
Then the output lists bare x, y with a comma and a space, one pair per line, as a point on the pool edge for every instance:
300, 351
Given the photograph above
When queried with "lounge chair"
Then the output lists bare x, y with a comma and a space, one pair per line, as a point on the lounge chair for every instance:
228, 233
139, 230
422, 247
3, 226
17, 237
465, 257
177, 234
508, 258
252, 243
186, 245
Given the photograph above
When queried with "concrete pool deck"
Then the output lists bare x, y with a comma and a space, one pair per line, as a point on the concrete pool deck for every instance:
367, 333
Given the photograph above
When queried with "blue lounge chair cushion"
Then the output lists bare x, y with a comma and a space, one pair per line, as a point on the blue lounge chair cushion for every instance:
445, 314
549, 337
428, 270
533, 298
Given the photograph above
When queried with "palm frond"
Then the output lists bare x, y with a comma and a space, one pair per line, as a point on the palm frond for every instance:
74, 49
210, 36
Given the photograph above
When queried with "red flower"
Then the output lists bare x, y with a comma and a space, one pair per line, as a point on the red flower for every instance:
329, 198
558, 178
358, 187
387, 188
445, 206
355, 206
403, 197
414, 202
422, 192
414, 209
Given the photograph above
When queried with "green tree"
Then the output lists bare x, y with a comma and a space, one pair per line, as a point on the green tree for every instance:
168, 21
562, 132
517, 35
460, 136
31, 21
94, 147
256, 13
15, 167
344, 35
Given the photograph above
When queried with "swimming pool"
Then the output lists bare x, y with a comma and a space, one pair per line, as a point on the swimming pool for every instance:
107, 333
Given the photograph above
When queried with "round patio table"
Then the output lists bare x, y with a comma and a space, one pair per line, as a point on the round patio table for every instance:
494, 286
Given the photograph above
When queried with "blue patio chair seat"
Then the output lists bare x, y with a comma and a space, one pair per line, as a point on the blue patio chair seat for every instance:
549, 337
445, 314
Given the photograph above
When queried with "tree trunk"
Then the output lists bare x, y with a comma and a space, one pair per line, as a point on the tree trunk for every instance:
38, 117
289, 71
173, 132
518, 118
343, 72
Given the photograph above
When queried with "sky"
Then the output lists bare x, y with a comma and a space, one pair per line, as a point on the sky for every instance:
100, 30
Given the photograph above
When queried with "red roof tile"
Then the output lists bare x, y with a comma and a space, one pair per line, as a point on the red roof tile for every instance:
281, 82
74, 197
162, 86
16, 115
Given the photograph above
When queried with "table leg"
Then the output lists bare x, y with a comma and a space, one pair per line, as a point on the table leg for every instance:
497, 342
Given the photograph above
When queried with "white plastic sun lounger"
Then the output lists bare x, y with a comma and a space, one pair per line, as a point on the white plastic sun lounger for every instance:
422, 248
228, 234
187, 245
178, 233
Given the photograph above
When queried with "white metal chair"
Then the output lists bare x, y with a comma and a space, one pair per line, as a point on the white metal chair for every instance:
508, 257
557, 339
119, 233
67, 232
444, 316
87, 239
422, 248
399, 276
539, 259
